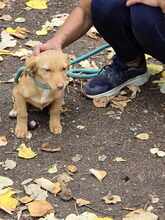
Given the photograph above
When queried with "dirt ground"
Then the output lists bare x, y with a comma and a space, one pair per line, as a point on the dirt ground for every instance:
135, 180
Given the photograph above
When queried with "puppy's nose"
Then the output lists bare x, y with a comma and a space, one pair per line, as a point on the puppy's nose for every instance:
60, 86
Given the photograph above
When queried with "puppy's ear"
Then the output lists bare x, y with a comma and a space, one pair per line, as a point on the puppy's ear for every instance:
31, 64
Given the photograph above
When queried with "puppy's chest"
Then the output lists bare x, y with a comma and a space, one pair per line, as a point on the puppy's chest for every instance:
42, 100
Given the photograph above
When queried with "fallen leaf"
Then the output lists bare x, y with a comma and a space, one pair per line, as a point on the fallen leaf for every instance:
7, 202
81, 127
23, 53
7, 41
39, 208
154, 199
140, 214
82, 202
99, 174
83, 216
2, 4
25, 152
46, 184
25, 199
29, 180
119, 159
154, 68
49, 217
19, 32
9, 164
59, 19
111, 199
6, 18
93, 33
45, 147
3, 141
5, 182
37, 4
101, 102
52, 169
35, 192
64, 178
32, 43
102, 158
72, 168
77, 158
142, 136
134, 89
20, 20
157, 152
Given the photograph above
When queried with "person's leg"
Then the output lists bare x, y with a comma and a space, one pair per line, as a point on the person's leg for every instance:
112, 19
148, 25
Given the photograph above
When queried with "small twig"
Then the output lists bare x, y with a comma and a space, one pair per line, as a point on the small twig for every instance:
75, 205
106, 213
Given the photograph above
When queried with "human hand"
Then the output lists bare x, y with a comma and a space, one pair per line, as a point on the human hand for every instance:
51, 44
153, 3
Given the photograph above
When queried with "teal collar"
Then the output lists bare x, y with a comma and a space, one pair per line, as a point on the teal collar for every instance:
38, 82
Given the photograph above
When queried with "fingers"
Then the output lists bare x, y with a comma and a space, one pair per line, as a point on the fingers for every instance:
133, 2
38, 49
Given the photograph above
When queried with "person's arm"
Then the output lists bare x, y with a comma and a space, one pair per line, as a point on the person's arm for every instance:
76, 25
153, 3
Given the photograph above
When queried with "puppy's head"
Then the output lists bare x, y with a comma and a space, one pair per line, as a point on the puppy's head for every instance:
50, 67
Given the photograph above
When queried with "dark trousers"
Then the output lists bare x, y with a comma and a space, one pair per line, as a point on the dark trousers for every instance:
131, 31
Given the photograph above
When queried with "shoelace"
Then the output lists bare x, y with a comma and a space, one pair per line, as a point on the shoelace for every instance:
115, 65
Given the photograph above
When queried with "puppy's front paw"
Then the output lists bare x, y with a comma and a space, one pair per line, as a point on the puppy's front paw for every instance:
21, 131
55, 128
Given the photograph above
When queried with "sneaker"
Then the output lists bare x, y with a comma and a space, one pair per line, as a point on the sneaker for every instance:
114, 77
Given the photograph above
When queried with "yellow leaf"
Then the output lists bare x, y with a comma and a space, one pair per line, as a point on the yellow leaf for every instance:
72, 168
7, 202
26, 152
154, 68
37, 4
5, 52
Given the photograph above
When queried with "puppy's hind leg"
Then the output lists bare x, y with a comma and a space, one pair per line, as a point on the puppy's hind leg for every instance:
13, 112
54, 123
21, 129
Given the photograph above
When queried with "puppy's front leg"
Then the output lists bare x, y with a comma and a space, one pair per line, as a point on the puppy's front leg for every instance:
21, 129
54, 123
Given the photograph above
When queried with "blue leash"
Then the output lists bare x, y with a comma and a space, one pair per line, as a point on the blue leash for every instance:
74, 72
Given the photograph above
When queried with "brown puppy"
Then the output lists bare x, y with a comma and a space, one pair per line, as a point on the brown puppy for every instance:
42, 84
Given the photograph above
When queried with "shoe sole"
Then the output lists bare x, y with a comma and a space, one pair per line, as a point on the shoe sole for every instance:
137, 81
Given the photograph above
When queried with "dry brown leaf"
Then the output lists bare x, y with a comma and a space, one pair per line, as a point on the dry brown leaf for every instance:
6, 18
45, 147
140, 214
72, 168
142, 136
32, 43
19, 32
93, 33
6, 42
82, 202
111, 199
134, 89
3, 141
99, 174
25, 199
64, 178
40, 208
101, 102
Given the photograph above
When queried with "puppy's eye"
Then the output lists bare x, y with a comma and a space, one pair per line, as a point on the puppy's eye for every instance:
47, 69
